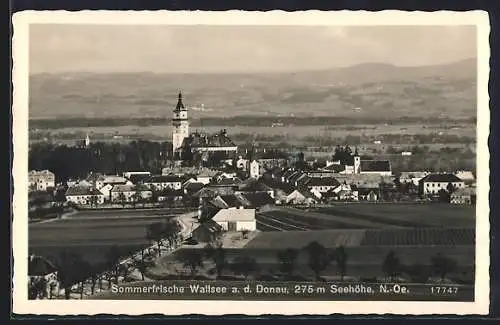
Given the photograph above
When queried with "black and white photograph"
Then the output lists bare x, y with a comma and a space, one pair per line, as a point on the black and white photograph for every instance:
233, 158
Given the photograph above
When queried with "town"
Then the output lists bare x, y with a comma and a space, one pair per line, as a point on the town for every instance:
248, 212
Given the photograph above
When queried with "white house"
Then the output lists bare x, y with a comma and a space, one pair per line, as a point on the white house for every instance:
160, 182
432, 183
236, 219
254, 169
298, 197
322, 184
82, 195
106, 190
241, 163
40, 180
103, 180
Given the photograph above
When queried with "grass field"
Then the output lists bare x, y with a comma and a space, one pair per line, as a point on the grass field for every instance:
92, 233
431, 215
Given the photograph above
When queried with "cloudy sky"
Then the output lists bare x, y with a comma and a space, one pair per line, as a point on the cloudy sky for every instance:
188, 49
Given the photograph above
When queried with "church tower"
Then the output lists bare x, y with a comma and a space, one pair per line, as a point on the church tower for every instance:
180, 125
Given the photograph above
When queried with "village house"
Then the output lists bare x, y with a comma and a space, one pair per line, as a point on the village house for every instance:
301, 197
84, 195
103, 180
170, 196
43, 277
466, 195
128, 175
129, 193
433, 183
160, 182
207, 232
236, 219
412, 177
321, 184
41, 180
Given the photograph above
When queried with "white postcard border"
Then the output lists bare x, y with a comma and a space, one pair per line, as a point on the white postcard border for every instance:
20, 45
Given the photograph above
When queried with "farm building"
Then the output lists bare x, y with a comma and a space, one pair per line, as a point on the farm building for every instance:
432, 183
236, 219
40, 180
465, 195
207, 232
84, 195
300, 197
321, 184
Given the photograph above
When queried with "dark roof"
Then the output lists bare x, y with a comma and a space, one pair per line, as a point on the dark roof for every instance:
171, 193
375, 166
209, 226
39, 266
138, 178
229, 182
258, 199
163, 179
441, 178
295, 177
334, 168
81, 190
194, 186
180, 105
322, 181
231, 200
252, 185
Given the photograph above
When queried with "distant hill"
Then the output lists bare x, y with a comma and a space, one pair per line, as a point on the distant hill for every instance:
369, 89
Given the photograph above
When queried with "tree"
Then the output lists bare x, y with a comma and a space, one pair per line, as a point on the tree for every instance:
218, 256
443, 196
341, 258
319, 258
113, 264
286, 259
192, 259
419, 273
391, 266
141, 265
67, 271
244, 265
244, 233
443, 265
122, 199
155, 233
136, 197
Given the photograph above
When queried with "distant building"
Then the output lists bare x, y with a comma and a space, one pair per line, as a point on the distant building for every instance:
321, 184
432, 183
465, 195
41, 180
160, 182
129, 193
128, 175
236, 219
84, 195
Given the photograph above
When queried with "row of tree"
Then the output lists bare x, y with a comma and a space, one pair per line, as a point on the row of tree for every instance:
319, 259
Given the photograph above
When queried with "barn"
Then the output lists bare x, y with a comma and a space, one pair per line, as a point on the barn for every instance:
236, 219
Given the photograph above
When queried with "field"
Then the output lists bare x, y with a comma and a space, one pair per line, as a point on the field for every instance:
365, 216
91, 234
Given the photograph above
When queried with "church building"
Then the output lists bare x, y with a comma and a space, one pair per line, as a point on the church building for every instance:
180, 126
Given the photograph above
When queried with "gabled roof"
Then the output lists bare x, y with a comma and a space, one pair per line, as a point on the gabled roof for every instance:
123, 188
170, 193
113, 179
138, 178
375, 166
82, 190
322, 181
193, 186
210, 226
253, 185
334, 168
440, 178
296, 177
225, 215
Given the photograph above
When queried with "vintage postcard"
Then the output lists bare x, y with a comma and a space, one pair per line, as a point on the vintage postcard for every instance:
251, 163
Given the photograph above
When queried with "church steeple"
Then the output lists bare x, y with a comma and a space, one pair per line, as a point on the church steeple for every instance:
180, 105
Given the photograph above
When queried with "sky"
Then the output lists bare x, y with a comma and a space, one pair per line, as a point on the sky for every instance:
225, 49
